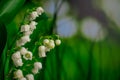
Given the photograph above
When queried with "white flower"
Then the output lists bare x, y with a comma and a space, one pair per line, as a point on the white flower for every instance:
22, 78
16, 55
30, 77
18, 74
51, 44
42, 54
18, 62
23, 40
35, 71
38, 65
39, 10
58, 42
46, 42
41, 48
33, 25
25, 28
28, 33
23, 51
33, 15
41, 51
27, 55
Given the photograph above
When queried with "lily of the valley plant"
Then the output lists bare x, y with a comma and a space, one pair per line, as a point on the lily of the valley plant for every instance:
21, 55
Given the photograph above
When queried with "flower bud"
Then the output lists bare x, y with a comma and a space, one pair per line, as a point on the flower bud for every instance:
58, 42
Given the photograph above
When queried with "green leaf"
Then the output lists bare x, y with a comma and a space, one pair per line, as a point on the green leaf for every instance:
3, 39
9, 8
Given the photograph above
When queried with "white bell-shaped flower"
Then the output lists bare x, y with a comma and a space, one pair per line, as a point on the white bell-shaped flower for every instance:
57, 42
41, 48
16, 55
30, 77
39, 10
33, 15
23, 51
42, 54
46, 42
18, 74
38, 65
18, 62
25, 28
41, 51
28, 33
25, 39
33, 25
51, 44
28, 55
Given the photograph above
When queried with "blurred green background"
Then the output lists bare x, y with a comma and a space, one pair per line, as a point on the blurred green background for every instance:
90, 34
90, 31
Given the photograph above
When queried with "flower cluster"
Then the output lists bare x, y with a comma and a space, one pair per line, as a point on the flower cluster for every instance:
48, 44
18, 74
24, 54
26, 30
37, 67
36, 13
27, 55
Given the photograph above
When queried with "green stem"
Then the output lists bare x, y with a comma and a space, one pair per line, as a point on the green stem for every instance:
6, 70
